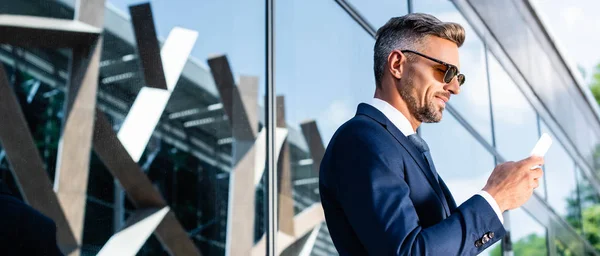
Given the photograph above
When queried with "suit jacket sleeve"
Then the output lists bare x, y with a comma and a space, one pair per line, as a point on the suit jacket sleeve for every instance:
373, 193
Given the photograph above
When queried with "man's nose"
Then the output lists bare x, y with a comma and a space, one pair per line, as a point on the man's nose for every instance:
453, 87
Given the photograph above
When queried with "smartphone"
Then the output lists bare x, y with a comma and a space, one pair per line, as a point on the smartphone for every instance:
541, 147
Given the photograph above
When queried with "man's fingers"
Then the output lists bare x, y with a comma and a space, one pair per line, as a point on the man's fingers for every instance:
537, 173
536, 183
532, 161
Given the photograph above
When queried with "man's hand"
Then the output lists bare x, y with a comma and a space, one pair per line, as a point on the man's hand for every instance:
512, 183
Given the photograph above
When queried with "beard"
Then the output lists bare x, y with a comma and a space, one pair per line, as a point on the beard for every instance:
428, 112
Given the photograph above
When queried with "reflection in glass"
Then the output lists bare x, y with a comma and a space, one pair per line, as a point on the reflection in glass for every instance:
196, 147
460, 159
590, 211
565, 20
324, 69
527, 235
515, 121
473, 101
560, 179
61, 9
379, 12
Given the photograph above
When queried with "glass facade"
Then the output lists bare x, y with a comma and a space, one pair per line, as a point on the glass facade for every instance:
206, 152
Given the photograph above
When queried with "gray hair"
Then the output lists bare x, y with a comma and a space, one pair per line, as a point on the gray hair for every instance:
407, 32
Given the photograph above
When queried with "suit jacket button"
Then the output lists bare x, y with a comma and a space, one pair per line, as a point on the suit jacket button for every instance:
478, 243
490, 234
485, 239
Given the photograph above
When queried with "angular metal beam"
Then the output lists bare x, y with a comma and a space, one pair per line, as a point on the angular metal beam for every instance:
304, 222
28, 31
241, 207
138, 187
132, 237
248, 90
232, 100
75, 145
315, 144
310, 243
147, 45
260, 146
27, 165
150, 103
240, 105
286, 198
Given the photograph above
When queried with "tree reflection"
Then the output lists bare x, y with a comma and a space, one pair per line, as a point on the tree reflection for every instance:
530, 245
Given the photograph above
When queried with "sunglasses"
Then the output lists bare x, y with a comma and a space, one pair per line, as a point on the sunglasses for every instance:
451, 70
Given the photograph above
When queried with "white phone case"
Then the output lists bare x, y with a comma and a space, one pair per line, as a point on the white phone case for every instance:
542, 146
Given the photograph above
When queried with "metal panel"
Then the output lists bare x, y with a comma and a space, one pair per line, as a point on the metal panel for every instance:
304, 223
241, 208
150, 103
231, 99
27, 165
286, 197
73, 160
315, 144
26, 31
147, 44
248, 90
138, 186
240, 106
261, 150
130, 239
72, 168
117, 160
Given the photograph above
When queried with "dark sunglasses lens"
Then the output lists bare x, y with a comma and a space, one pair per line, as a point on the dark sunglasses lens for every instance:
450, 73
461, 79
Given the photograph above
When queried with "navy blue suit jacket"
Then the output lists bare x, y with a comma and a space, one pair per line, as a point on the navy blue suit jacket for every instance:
381, 198
24, 230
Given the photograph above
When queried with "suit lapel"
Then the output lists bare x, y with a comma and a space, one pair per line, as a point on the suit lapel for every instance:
376, 115
4, 190
448, 195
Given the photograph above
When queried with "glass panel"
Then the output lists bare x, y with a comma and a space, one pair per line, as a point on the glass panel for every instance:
379, 12
515, 121
62, 9
40, 100
590, 211
473, 102
565, 20
192, 150
560, 178
527, 235
562, 248
318, 96
203, 156
450, 153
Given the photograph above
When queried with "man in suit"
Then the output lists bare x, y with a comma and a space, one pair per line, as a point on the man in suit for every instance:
379, 187
24, 230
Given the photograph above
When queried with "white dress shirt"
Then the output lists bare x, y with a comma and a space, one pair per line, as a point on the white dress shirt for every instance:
402, 123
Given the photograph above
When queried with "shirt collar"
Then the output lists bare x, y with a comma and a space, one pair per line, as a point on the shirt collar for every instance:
394, 115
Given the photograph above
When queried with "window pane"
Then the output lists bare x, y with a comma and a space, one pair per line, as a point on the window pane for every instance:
560, 177
473, 101
527, 235
590, 211
61, 9
451, 152
379, 12
322, 77
194, 152
515, 121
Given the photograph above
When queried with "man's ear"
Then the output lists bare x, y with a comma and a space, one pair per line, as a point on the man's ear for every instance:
395, 63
